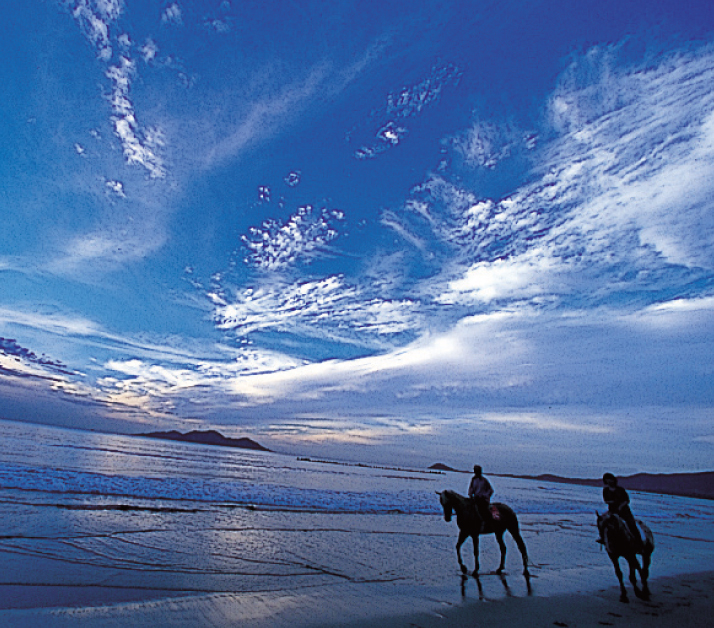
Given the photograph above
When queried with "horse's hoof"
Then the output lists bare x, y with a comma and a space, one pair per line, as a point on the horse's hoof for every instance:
624, 600
464, 570
499, 571
526, 573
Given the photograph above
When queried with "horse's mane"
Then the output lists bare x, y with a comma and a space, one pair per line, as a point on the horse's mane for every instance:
454, 496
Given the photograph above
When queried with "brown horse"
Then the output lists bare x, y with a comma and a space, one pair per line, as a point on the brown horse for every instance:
469, 522
618, 542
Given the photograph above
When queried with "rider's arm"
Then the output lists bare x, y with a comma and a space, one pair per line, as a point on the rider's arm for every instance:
624, 498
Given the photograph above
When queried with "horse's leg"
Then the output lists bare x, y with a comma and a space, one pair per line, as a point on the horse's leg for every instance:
502, 546
645, 574
634, 568
515, 533
623, 592
476, 565
480, 587
462, 537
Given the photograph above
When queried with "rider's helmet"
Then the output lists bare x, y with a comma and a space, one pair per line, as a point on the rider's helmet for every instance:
477, 470
609, 477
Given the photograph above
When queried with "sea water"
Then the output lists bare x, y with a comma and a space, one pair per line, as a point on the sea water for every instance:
93, 519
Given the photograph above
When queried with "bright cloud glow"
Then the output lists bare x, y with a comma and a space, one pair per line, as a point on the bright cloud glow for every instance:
520, 277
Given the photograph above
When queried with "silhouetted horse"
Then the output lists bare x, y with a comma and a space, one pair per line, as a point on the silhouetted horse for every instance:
618, 542
469, 522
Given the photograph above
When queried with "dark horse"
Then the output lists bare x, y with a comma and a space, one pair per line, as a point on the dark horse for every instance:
618, 542
469, 522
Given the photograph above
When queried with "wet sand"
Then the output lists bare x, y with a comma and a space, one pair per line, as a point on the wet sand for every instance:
681, 602
305, 570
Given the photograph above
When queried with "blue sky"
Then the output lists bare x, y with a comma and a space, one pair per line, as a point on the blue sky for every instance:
400, 232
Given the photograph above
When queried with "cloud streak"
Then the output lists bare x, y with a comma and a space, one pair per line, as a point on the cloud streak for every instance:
140, 146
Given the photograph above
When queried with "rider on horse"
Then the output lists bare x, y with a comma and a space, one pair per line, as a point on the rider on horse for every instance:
618, 501
480, 491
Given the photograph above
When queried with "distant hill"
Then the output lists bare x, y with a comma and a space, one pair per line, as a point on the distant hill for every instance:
207, 437
684, 484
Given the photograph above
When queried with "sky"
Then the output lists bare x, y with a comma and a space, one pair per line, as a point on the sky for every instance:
404, 232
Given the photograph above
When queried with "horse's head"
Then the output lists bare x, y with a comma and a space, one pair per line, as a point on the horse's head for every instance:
605, 521
445, 504
608, 524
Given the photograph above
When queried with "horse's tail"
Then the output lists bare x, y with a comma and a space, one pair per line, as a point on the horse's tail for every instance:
510, 520
647, 537
516, 534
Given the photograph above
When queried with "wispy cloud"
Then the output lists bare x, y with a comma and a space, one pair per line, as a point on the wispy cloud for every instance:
635, 151
55, 323
386, 127
140, 145
172, 15
622, 200
530, 420
95, 18
328, 307
305, 234
86, 256
264, 116
608, 218
159, 377
486, 144
198, 386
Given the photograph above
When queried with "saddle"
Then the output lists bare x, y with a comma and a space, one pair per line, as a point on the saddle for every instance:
493, 511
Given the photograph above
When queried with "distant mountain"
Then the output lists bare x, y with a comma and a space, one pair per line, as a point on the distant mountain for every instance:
207, 437
439, 466
684, 484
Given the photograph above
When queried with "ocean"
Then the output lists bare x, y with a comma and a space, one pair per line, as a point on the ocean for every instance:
114, 523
